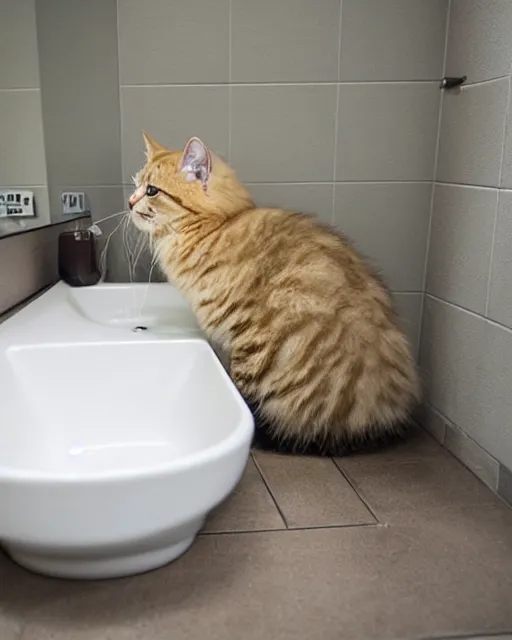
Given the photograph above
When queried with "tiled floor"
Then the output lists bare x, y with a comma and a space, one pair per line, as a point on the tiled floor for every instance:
405, 543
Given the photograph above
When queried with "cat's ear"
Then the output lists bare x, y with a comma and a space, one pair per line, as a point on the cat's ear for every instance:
152, 146
196, 162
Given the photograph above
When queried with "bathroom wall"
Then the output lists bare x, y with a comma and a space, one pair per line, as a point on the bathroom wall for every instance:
29, 263
22, 157
28, 260
331, 114
466, 345
80, 101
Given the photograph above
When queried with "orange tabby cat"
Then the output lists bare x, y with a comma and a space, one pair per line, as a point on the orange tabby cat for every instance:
311, 335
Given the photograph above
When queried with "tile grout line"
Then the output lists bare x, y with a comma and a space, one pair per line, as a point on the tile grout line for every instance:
477, 635
479, 83
358, 494
119, 87
26, 186
271, 493
434, 81
355, 525
459, 307
466, 185
434, 176
455, 427
306, 183
336, 116
19, 89
329, 527
230, 73
491, 256
496, 212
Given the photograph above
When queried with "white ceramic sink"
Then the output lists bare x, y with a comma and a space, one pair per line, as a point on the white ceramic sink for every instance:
157, 306
114, 445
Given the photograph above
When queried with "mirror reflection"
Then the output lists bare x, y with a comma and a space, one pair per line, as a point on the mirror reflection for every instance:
59, 112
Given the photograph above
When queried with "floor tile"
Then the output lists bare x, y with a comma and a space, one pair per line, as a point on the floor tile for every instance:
249, 508
311, 492
10, 629
355, 583
25, 595
416, 444
425, 488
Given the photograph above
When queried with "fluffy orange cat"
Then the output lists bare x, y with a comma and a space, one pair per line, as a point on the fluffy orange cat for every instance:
311, 336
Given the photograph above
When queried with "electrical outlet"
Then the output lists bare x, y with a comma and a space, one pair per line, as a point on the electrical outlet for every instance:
16, 204
73, 202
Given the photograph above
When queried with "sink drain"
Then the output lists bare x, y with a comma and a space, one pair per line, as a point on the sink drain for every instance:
139, 329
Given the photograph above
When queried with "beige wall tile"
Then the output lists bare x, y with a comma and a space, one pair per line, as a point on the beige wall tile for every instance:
163, 42
286, 41
396, 212
500, 286
471, 136
387, 131
283, 133
19, 66
408, 306
392, 39
21, 132
315, 199
461, 240
479, 42
80, 90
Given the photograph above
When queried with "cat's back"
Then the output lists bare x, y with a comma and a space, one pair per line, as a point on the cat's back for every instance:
299, 246
283, 226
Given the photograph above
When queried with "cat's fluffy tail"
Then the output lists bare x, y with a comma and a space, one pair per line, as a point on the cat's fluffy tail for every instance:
266, 439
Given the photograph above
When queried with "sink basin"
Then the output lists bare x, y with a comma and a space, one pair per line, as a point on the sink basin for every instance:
114, 445
159, 307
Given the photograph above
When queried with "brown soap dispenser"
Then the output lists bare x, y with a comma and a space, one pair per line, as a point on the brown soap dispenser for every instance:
77, 258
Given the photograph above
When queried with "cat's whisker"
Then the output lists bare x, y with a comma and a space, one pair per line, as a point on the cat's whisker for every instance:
146, 290
103, 255
139, 248
127, 249
113, 215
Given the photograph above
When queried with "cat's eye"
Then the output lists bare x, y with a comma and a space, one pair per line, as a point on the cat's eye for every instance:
151, 190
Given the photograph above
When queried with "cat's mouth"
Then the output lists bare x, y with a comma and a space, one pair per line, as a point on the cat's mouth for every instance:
145, 216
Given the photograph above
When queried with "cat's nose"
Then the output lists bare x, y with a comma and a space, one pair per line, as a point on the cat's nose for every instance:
135, 197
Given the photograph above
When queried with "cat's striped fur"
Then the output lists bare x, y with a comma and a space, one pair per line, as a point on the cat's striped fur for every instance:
310, 333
